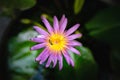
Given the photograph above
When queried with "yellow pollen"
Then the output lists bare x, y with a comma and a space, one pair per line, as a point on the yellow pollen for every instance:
57, 42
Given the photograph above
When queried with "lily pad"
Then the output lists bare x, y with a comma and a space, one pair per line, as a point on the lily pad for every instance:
18, 4
85, 65
21, 59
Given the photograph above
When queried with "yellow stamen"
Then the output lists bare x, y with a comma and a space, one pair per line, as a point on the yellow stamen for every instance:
57, 42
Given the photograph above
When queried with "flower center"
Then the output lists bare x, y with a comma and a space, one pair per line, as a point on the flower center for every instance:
57, 42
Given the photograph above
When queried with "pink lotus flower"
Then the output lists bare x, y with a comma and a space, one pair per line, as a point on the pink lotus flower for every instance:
56, 42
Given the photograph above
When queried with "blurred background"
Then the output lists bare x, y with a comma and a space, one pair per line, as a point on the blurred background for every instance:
100, 26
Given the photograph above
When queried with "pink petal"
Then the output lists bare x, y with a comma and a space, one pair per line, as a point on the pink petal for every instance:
68, 58
72, 62
63, 25
74, 50
38, 40
60, 61
72, 29
47, 24
56, 24
74, 43
49, 61
38, 46
74, 36
42, 54
43, 59
40, 31
62, 20
54, 59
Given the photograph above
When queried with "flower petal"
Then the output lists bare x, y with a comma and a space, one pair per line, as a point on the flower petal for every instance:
62, 20
72, 62
38, 46
67, 57
40, 31
54, 59
43, 53
60, 61
43, 59
63, 25
47, 55
56, 24
74, 43
47, 24
74, 50
38, 40
74, 36
48, 62
72, 29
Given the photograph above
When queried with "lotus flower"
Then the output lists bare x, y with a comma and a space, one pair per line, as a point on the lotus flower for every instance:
56, 42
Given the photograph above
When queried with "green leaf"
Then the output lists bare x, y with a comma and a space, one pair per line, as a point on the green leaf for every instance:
85, 65
18, 4
78, 4
85, 55
105, 26
24, 65
21, 59
24, 4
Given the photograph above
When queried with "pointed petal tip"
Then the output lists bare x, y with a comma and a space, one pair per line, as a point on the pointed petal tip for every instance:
46, 66
60, 68
80, 35
74, 36
72, 65
63, 15
55, 17
63, 25
31, 48
78, 53
66, 20
35, 28
37, 59
78, 25
54, 65
68, 62
80, 44
40, 62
